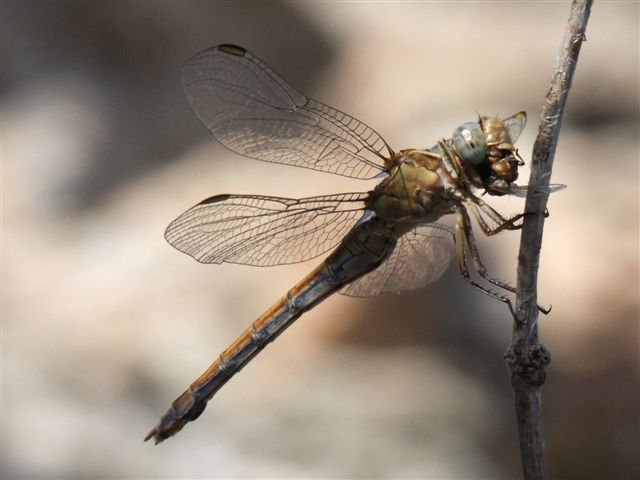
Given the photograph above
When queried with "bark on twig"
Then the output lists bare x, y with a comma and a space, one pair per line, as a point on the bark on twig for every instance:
526, 357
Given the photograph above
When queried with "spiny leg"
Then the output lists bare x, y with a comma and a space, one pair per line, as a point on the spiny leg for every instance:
452, 162
479, 207
461, 240
464, 223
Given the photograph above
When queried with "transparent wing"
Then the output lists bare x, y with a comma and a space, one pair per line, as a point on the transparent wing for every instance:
420, 257
515, 125
260, 230
521, 190
251, 110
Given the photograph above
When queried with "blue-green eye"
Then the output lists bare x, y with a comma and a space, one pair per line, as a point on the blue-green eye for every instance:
470, 143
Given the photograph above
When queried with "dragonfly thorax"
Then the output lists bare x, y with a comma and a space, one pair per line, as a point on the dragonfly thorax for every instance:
414, 189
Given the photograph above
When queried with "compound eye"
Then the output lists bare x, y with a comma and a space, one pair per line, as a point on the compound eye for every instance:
470, 143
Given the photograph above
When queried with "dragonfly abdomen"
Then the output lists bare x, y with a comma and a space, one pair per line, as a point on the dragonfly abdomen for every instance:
361, 251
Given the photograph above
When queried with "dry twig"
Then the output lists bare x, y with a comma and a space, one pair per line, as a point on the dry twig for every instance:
526, 357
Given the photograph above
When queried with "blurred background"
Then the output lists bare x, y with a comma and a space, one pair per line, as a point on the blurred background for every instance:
104, 324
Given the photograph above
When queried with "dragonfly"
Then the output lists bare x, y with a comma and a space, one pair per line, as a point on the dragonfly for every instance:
384, 240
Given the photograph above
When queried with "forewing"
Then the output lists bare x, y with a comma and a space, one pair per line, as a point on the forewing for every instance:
251, 110
420, 257
521, 190
261, 230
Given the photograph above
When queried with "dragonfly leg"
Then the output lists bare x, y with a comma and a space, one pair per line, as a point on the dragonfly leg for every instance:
505, 224
479, 207
462, 235
463, 224
452, 162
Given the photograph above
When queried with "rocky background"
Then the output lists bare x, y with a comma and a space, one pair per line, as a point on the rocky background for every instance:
104, 324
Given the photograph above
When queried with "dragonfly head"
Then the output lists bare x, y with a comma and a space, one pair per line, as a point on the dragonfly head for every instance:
488, 152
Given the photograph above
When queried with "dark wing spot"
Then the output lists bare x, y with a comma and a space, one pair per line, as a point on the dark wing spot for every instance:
232, 50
